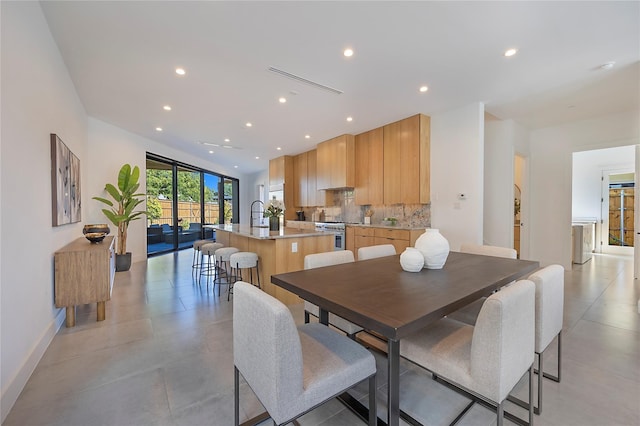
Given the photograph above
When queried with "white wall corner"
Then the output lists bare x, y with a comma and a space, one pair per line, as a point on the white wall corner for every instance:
11, 390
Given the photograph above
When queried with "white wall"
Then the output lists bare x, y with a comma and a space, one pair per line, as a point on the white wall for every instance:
503, 139
38, 98
457, 163
110, 147
551, 177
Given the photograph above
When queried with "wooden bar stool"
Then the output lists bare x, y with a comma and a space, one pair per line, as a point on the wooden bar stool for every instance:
239, 261
208, 269
223, 270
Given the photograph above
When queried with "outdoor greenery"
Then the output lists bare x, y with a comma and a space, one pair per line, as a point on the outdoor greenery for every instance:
159, 185
154, 209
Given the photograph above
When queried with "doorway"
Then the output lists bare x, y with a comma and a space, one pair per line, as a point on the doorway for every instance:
618, 212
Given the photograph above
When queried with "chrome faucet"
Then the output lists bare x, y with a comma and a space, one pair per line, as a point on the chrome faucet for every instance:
259, 212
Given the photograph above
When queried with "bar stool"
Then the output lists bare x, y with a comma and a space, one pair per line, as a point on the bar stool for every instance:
196, 264
222, 266
209, 250
239, 261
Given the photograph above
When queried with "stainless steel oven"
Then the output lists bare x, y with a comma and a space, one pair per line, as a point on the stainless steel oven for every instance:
338, 230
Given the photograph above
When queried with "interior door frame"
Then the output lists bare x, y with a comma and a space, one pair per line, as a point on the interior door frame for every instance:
603, 246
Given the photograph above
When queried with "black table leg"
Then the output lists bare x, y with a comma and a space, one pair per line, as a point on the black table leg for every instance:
393, 397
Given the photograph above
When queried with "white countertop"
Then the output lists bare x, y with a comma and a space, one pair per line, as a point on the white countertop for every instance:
265, 234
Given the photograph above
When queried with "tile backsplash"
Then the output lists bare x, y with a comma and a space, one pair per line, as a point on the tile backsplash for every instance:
344, 209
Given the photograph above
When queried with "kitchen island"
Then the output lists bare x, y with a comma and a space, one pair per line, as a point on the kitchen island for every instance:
278, 251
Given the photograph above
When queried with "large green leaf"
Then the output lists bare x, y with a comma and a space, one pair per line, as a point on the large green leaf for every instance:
123, 177
104, 200
111, 216
113, 191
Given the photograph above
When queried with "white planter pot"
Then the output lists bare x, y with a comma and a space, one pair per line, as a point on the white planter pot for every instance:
434, 248
412, 260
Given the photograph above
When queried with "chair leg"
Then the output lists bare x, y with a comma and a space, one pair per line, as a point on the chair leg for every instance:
500, 414
531, 408
538, 409
236, 396
306, 317
373, 412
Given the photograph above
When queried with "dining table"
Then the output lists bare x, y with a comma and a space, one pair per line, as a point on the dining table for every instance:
384, 299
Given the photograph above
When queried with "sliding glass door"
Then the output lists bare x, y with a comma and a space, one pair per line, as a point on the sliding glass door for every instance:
182, 200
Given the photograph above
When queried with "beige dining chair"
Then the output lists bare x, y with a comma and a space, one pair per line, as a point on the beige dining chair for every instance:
292, 370
372, 252
549, 282
486, 360
469, 313
319, 260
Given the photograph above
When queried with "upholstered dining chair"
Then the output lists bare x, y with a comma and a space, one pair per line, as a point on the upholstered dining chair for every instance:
549, 282
469, 313
372, 252
292, 370
486, 360
319, 260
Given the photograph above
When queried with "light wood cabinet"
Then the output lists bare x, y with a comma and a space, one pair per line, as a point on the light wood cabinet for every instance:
400, 238
349, 239
336, 163
281, 178
407, 161
370, 236
369, 164
84, 273
300, 180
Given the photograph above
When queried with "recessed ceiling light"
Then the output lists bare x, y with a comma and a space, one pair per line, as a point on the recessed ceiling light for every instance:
180, 71
166, 108
510, 52
210, 152
257, 158
235, 167
349, 118
607, 65
423, 89
307, 136
248, 124
282, 100
348, 53
279, 148
158, 129
227, 140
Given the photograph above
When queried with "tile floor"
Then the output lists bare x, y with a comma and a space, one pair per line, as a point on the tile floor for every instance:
163, 356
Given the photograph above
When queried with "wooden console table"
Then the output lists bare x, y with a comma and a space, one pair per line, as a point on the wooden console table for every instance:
84, 273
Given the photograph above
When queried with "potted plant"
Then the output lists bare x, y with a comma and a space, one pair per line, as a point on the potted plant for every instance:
121, 211
273, 211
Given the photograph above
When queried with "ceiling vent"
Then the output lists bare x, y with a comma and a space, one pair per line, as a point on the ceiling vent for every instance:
305, 81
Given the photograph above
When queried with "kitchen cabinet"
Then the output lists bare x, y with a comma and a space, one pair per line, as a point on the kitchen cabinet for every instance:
349, 236
336, 163
300, 180
406, 168
84, 273
400, 238
365, 236
306, 193
281, 179
369, 164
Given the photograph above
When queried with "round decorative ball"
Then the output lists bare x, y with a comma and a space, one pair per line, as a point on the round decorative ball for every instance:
434, 248
411, 260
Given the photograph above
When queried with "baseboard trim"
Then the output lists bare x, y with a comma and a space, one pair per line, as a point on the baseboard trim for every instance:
12, 391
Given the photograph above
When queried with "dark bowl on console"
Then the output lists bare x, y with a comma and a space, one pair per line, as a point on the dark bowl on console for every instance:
96, 228
95, 237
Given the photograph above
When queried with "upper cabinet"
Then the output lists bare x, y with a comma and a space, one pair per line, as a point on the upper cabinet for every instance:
281, 178
406, 169
304, 176
336, 163
369, 165
280, 171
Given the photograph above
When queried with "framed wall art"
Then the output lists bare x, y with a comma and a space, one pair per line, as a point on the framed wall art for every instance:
65, 184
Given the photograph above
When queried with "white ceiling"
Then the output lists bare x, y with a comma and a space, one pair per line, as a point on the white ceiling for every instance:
122, 58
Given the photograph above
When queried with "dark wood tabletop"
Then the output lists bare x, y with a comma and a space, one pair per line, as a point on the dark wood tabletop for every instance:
379, 296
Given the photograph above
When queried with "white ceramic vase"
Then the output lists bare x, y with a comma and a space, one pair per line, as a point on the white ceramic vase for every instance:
412, 260
434, 247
